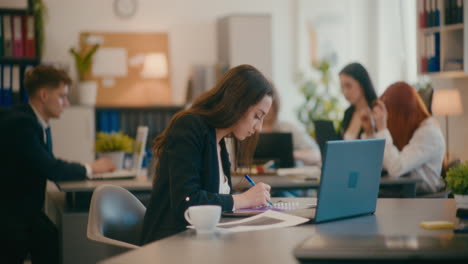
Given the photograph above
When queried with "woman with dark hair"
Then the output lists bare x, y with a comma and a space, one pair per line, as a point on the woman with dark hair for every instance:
193, 165
414, 143
359, 92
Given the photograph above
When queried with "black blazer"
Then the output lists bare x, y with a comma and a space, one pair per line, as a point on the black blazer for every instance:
25, 164
188, 175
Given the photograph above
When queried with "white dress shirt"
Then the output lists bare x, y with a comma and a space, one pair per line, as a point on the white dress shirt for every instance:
422, 157
223, 183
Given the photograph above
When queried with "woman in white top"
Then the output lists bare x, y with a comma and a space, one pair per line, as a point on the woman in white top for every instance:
414, 142
305, 148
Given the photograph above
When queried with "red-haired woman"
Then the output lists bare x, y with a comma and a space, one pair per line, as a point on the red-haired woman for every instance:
414, 142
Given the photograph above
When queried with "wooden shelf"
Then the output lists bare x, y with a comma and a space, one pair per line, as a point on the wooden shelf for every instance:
19, 60
443, 48
446, 74
452, 27
16, 11
430, 30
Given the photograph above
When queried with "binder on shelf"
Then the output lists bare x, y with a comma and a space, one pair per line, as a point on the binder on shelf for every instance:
17, 36
114, 122
422, 14
29, 37
448, 11
1, 85
423, 55
24, 93
459, 11
453, 12
436, 13
7, 36
433, 41
1, 36
103, 121
7, 93
430, 13
15, 84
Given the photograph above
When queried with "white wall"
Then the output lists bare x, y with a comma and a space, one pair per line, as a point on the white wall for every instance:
191, 26
192, 33
458, 125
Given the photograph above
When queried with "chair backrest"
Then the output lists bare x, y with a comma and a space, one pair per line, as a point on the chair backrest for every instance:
115, 217
426, 95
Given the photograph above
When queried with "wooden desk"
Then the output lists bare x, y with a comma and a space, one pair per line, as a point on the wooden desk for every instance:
78, 193
406, 186
393, 217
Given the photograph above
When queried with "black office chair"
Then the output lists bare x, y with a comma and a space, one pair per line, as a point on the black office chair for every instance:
115, 218
426, 96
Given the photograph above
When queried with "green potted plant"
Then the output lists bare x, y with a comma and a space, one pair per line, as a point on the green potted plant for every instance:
40, 15
113, 146
83, 62
457, 183
320, 103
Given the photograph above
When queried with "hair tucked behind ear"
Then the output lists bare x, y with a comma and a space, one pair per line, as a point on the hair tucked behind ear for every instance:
221, 107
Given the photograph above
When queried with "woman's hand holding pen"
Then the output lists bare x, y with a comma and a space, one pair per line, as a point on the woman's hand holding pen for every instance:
257, 195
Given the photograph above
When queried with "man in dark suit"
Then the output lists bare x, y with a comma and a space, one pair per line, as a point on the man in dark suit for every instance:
27, 161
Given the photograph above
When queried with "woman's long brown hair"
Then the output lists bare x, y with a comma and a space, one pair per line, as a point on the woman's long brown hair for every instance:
221, 107
406, 111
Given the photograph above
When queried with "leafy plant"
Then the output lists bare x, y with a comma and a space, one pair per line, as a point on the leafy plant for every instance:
84, 59
319, 102
40, 14
457, 179
109, 142
423, 84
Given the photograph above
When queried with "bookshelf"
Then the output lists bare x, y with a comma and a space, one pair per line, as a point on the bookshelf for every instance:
81, 123
442, 38
127, 119
19, 50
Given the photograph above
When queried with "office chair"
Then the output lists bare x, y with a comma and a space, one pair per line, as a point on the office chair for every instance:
426, 95
115, 218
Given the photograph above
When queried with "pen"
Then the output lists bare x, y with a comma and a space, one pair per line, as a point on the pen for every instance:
253, 184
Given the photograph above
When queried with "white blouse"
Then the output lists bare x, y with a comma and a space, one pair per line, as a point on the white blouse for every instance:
223, 182
422, 157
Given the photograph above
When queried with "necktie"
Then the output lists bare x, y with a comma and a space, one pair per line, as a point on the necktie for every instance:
48, 140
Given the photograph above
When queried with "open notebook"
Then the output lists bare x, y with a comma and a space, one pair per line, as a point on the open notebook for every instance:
138, 154
279, 206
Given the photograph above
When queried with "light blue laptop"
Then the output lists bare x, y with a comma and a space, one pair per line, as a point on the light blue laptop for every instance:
350, 179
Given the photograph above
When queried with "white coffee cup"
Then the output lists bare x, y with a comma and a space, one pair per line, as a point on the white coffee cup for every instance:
203, 217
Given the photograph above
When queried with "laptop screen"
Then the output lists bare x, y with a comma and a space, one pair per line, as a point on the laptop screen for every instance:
325, 131
277, 147
350, 179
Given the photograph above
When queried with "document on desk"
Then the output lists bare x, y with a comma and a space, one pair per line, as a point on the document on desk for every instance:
305, 172
267, 220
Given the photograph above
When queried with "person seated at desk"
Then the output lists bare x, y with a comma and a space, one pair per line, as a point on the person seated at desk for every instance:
359, 91
193, 165
27, 161
306, 149
414, 142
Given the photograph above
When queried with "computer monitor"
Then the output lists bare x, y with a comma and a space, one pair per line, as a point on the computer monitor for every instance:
277, 147
325, 131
